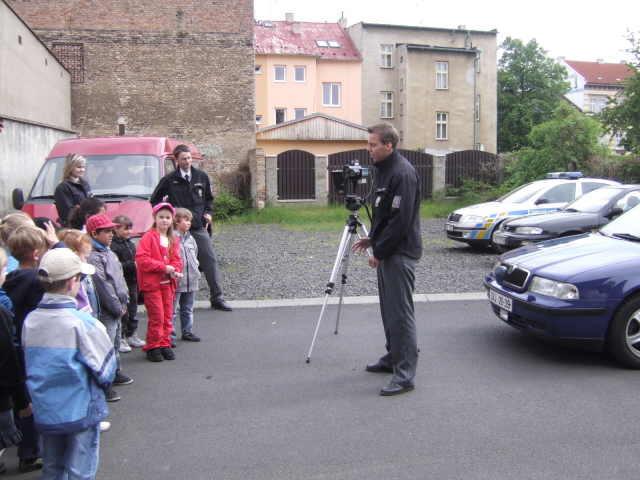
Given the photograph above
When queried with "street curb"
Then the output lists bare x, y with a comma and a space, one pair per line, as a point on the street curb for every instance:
303, 302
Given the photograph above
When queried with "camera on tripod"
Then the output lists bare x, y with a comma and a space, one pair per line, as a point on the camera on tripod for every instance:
353, 173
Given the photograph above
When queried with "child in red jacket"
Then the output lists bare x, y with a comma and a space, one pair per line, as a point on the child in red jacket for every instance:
159, 265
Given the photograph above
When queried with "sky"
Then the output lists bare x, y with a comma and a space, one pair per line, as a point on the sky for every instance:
562, 27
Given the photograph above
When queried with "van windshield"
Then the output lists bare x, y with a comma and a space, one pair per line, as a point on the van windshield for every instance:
108, 175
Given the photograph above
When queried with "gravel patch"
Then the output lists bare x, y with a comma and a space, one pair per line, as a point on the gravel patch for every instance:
267, 262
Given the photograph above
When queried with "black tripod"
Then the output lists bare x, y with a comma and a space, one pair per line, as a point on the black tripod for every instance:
344, 251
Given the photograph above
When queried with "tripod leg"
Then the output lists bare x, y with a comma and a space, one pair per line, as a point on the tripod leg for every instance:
343, 244
346, 256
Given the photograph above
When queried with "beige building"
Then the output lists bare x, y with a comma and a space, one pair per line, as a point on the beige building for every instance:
303, 68
437, 86
592, 84
35, 104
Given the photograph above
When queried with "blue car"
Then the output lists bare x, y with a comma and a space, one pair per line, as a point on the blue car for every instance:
582, 291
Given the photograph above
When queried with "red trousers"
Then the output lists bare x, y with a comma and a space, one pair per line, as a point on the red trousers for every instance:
159, 305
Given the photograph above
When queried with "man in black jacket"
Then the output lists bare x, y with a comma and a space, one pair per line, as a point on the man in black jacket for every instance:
190, 188
396, 242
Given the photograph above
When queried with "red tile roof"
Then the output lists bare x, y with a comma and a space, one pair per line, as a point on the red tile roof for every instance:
278, 38
603, 73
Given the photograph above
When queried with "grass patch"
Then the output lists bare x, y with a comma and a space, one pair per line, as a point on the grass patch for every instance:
329, 218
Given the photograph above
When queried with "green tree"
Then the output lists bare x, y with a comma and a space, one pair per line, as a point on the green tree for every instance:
568, 142
622, 114
529, 88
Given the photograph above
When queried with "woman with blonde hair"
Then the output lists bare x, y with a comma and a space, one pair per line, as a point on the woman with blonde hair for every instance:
72, 189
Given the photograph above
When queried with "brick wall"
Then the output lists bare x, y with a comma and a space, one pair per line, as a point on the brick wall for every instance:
178, 68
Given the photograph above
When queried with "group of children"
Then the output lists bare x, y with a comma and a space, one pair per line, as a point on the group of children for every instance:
82, 336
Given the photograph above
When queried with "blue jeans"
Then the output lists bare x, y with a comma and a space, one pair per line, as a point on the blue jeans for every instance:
114, 330
74, 455
183, 307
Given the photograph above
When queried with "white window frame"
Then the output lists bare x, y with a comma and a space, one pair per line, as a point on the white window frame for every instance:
298, 110
258, 119
258, 69
284, 73
331, 101
442, 75
442, 125
386, 104
386, 56
284, 116
300, 68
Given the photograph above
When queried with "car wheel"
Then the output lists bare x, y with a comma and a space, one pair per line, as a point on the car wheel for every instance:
623, 337
500, 249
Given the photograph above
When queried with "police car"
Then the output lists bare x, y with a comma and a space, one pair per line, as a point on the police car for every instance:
476, 224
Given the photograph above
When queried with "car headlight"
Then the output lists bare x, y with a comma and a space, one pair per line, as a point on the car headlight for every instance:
529, 230
472, 219
551, 288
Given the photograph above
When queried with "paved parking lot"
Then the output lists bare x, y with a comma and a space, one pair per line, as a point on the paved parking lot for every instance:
489, 403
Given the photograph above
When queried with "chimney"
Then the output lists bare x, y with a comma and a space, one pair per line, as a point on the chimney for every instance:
343, 22
600, 61
289, 17
462, 27
296, 28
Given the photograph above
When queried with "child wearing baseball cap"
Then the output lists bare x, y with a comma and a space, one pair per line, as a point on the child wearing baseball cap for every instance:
112, 290
70, 362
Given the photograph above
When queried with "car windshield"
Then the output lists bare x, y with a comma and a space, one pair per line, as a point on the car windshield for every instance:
523, 193
108, 175
592, 201
628, 223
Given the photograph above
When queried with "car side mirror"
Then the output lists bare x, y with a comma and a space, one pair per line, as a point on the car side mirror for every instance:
542, 201
615, 211
17, 198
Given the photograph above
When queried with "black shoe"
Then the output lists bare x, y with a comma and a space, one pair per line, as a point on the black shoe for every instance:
29, 464
155, 355
122, 379
189, 336
395, 389
379, 368
167, 353
111, 395
220, 304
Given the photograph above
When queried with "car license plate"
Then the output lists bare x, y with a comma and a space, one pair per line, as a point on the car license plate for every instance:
504, 302
448, 227
499, 239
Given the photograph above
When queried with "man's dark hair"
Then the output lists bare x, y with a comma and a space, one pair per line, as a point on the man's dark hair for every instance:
386, 132
180, 149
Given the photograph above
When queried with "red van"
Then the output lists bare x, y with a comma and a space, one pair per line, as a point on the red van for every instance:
122, 171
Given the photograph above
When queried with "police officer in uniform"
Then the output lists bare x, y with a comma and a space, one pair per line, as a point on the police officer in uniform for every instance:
396, 243
190, 188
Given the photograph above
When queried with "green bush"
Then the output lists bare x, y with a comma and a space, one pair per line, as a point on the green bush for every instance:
227, 205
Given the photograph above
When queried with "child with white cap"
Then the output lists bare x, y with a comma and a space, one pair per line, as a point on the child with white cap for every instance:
70, 363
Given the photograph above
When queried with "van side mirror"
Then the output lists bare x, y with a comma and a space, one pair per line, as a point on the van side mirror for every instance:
17, 198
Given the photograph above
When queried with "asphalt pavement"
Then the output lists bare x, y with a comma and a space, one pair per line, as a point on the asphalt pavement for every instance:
489, 403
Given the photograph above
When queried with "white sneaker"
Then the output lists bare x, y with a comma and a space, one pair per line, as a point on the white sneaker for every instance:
104, 426
134, 341
124, 346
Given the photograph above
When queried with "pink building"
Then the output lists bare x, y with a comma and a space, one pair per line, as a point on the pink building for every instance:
304, 68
